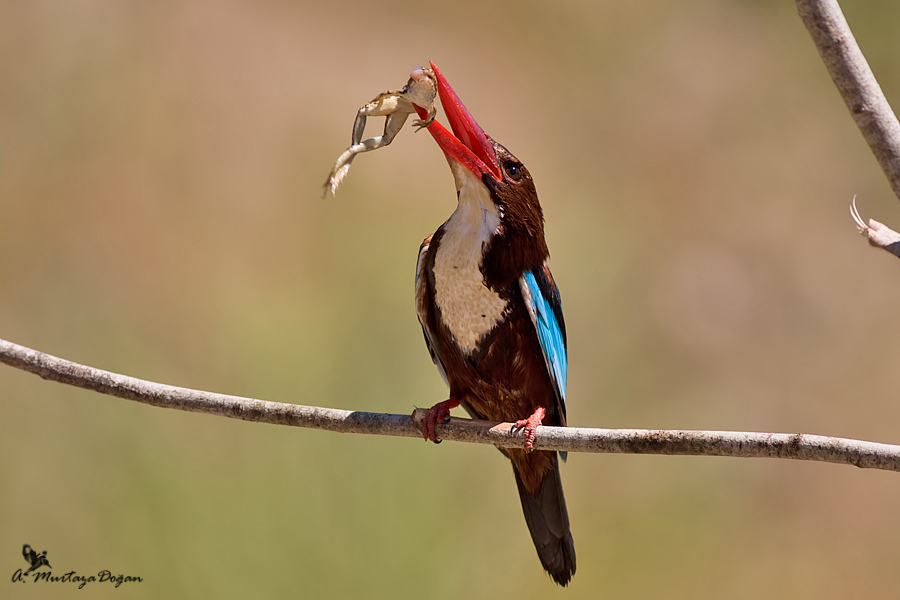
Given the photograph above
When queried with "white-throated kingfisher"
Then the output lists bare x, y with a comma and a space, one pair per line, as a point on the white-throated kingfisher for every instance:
492, 317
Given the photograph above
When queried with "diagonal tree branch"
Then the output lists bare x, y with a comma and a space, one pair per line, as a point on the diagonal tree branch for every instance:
864, 99
856, 82
868, 455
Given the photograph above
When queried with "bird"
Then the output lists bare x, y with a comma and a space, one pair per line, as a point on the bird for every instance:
492, 317
34, 559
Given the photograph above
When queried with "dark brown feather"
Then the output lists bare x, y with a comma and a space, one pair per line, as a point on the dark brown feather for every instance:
519, 245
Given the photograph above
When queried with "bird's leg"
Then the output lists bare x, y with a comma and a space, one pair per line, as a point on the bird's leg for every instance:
531, 424
439, 413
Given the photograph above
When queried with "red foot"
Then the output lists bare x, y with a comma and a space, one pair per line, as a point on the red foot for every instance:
530, 424
439, 413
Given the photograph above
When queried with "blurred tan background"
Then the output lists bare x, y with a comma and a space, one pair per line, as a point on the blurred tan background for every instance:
160, 173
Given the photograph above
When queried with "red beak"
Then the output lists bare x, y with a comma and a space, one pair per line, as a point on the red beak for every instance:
468, 144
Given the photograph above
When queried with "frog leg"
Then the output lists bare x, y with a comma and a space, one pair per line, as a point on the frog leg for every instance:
392, 126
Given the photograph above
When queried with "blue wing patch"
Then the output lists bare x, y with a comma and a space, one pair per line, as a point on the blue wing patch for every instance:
542, 301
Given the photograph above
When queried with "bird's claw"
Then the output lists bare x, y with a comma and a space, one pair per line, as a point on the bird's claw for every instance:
860, 224
531, 424
439, 413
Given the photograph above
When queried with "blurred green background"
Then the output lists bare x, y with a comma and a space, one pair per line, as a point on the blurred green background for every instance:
160, 177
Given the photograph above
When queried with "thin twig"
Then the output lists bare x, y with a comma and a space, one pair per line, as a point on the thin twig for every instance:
862, 454
864, 99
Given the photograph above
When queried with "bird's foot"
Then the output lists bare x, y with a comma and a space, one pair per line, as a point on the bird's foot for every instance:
531, 424
439, 413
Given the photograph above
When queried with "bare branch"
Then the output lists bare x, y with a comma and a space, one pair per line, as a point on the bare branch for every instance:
868, 455
856, 82
865, 100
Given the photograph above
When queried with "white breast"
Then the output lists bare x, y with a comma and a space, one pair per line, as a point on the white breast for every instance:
469, 309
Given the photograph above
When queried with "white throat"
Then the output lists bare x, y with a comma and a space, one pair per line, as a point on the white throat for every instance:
469, 309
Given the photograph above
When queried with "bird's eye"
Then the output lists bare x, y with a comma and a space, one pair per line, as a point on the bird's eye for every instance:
513, 170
